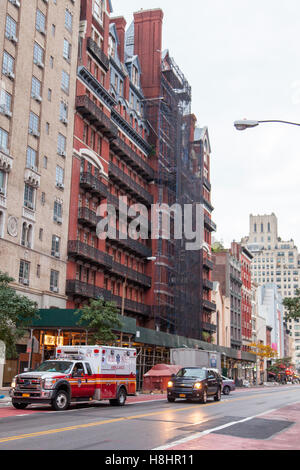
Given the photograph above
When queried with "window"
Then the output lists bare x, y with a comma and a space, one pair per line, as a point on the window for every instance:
36, 87
59, 176
10, 28
68, 20
135, 75
40, 23
61, 145
5, 102
38, 55
63, 112
29, 196
54, 276
65, 82
8, 65
34, 124
1, 223
57, 212
24, 272
55, 247
26, 236
31, 159
98, 10
2, 182
67, 50
3, 140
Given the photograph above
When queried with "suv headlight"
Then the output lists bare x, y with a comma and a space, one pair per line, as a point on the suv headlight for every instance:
48, 384
170, 384
198, 385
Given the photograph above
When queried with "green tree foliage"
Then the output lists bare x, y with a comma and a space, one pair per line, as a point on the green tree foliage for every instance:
100, 318
280, 365
292, 306
217, 247
16, 314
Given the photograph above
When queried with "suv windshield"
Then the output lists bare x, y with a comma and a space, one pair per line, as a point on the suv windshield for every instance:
197, 373
53, 366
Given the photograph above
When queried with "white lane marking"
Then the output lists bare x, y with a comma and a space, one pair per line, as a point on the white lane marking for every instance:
209, 431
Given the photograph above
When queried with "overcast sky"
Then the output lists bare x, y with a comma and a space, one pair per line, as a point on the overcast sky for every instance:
242, 59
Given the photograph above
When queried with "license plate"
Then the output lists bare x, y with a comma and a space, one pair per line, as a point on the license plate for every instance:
26, 395
182, 395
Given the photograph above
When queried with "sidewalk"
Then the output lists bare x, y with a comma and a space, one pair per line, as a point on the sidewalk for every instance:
276, 430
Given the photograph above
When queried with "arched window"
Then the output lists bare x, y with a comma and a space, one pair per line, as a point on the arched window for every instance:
1, 224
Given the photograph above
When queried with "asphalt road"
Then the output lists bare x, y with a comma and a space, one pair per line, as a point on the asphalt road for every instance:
142, 426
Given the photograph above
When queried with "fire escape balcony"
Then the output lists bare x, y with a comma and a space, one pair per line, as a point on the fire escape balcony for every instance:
115, 201
207, 284
132, 306
98, 54
80, 250
212, 227
134, 160
131, 274
123, 180
83, 289
207, 262
135, 246
96, 117
207, 184
208, 305
92, 184
209, 327
87, 217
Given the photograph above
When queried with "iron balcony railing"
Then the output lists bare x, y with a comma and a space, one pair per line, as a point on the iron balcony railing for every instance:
125, 181
134, 160
87, 217
132, 245
93, 185
131, 274
83, 289
207, 284
208, 327
81, 250
210, 224
208, 305
89, 110
98, 53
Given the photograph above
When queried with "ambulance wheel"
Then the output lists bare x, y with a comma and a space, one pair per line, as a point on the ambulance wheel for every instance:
19, 406
61, 401
121, 398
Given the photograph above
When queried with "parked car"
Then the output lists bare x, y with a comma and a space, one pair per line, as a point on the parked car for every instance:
197, 383
228, 385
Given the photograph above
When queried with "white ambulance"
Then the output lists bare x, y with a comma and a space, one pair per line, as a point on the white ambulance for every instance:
81, 373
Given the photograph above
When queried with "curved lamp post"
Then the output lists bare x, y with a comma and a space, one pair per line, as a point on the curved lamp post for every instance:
247, 124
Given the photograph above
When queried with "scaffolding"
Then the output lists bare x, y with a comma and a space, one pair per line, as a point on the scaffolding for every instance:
177, 308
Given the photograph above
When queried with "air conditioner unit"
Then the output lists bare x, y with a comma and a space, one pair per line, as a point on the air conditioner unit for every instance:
34, 133
12, 38
2, 191
26, 282
57, 254
42, 31
60, 185
64, 121
9, 74
58, 219
16, 3
39, 63
62, 153
29, 205
37, 98
54, 289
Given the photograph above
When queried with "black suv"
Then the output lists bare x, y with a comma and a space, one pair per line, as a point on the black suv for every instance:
195, 383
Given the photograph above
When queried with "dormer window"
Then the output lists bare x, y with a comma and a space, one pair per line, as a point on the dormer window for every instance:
112, 46
135, 76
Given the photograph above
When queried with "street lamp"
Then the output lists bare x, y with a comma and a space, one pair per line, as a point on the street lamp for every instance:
248, 124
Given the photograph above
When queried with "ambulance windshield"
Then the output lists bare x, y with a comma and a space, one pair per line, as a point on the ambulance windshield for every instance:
55, 366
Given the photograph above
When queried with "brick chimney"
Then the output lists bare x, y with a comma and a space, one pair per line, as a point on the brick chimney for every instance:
120, 24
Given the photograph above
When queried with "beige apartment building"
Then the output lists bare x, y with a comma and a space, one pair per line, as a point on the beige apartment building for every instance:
38, 50
221, 317
275, 262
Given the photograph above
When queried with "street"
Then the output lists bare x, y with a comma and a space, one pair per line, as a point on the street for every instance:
152, 425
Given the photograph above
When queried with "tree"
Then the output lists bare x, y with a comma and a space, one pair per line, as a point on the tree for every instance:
280, 365
16, 315
263, 351
100, 318
217, 247
292, 306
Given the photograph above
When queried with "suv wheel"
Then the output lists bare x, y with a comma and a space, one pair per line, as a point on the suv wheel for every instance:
171, 399
61, 401
218, 395
226, 390
19, 406
204, 397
